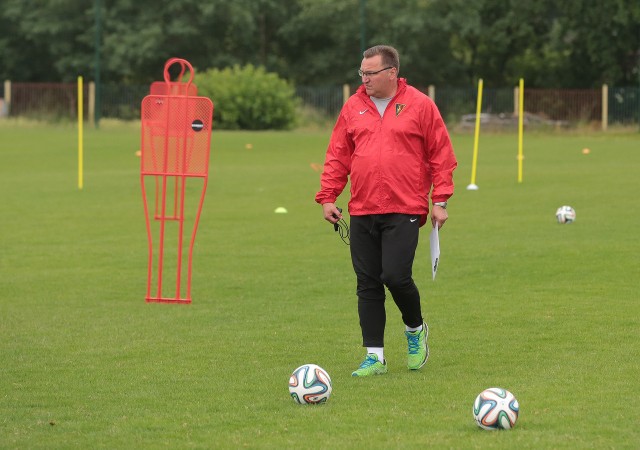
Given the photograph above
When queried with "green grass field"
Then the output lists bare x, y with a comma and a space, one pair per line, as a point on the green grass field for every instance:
547, 311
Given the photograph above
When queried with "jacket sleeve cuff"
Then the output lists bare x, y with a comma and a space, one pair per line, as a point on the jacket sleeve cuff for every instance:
322, 199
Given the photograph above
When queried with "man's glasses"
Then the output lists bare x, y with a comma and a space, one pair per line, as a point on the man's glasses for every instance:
369, 74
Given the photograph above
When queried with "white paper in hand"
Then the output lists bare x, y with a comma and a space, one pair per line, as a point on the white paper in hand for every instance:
434, 241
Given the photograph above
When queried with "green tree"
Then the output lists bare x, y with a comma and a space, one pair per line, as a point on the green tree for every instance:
487, 37
321, 42
412, 27
139, 35
45, 42
601, 43
575, 43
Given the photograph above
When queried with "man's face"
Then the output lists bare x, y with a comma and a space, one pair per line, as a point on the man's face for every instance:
381, 84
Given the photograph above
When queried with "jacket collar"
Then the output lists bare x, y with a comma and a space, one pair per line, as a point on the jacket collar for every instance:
402, 85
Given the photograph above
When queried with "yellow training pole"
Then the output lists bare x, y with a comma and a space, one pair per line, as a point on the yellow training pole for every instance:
520, 128
473, 186
80, 121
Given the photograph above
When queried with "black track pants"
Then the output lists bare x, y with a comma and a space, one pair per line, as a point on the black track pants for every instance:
383, 248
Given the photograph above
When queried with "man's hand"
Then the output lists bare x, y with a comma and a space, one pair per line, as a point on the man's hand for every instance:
331, 212
439, 216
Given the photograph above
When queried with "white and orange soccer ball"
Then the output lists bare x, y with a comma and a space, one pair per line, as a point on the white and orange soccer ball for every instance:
310, 384
496, 409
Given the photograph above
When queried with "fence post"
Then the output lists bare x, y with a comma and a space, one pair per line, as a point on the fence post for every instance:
605, 107
431, 92
346, 92
92, 103
7, 96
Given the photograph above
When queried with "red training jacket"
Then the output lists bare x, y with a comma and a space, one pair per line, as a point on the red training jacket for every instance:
393, 161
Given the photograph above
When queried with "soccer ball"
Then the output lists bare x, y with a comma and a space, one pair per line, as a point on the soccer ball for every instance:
495, 409
565, 214
310, 384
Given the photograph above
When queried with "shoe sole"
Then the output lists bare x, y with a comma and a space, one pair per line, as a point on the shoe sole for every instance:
354, 374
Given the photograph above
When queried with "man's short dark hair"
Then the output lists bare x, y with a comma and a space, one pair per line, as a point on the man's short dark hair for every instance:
389, 55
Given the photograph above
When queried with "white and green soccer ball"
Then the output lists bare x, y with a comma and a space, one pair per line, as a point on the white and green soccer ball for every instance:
566, 214
496, 409
310, 384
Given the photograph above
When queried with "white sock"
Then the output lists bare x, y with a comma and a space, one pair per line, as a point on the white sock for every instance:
379, 351
413, 329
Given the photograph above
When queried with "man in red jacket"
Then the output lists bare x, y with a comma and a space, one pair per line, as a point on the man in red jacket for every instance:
391, 141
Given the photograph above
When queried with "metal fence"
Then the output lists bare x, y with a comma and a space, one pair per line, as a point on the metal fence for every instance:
42, 101
624, 105
557, 107
326, 99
